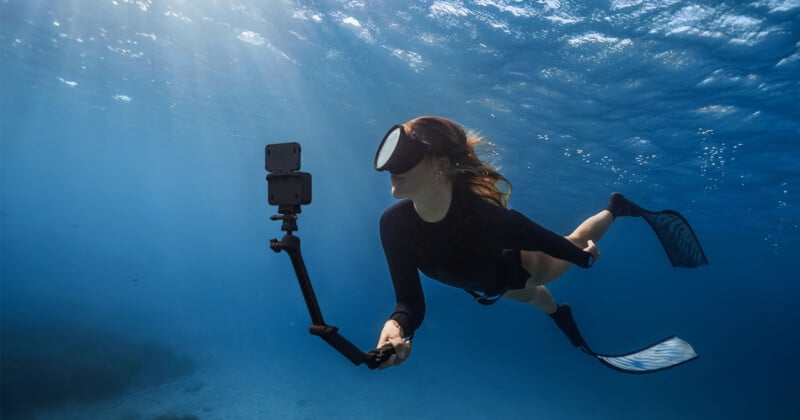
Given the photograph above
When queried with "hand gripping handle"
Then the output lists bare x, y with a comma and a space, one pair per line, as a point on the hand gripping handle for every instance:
372, 358
377, 357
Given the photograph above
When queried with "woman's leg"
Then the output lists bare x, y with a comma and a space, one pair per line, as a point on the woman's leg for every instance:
537, 296
592, 228
544, 268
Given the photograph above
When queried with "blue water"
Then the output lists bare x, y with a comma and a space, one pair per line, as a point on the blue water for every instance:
137, 281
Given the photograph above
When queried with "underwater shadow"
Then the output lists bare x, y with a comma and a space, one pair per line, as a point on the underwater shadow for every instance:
45, 365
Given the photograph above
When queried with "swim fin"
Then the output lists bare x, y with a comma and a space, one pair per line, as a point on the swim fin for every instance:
676, 235
664, 354
566, 323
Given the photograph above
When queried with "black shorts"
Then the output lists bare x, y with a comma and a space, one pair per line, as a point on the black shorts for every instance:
510, 271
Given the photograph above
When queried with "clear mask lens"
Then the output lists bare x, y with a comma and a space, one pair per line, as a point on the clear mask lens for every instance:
388, 147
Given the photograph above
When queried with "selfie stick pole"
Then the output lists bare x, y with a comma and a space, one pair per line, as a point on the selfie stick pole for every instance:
291, 244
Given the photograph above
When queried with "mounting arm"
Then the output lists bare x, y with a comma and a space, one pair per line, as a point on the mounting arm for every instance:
291, 245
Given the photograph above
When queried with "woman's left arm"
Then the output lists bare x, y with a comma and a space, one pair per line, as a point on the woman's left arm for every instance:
530, 236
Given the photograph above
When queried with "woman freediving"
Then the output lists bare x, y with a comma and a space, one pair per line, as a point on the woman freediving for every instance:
453, 224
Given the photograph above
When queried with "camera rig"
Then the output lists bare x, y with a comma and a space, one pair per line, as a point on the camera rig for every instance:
289, 189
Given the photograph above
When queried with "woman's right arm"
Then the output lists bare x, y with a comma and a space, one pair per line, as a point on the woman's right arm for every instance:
410, 308
398, 247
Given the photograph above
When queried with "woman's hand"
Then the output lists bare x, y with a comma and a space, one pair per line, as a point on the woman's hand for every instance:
592, 249
392, 334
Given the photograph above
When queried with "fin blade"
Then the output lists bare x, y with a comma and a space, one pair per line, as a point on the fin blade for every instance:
677, 237
665, 354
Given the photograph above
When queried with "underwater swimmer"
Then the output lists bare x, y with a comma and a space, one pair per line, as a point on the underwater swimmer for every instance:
453, 225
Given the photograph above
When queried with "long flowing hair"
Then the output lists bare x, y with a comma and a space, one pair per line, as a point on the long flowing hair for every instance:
481, 177
449, 140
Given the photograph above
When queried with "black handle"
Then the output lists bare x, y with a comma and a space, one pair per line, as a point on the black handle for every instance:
376, 357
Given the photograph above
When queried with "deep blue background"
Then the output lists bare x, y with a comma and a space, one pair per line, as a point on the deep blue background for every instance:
134, 201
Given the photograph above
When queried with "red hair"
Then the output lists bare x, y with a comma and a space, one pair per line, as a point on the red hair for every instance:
448, 139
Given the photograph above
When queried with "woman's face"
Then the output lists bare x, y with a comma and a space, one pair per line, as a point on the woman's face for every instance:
408, 184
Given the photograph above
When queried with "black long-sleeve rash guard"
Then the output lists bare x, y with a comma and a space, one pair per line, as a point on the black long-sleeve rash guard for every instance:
475, 247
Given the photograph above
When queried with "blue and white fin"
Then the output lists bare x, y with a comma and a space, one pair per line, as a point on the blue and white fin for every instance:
665, 354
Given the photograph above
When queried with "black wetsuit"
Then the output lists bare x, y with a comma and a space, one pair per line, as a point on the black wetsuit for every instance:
475, 247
